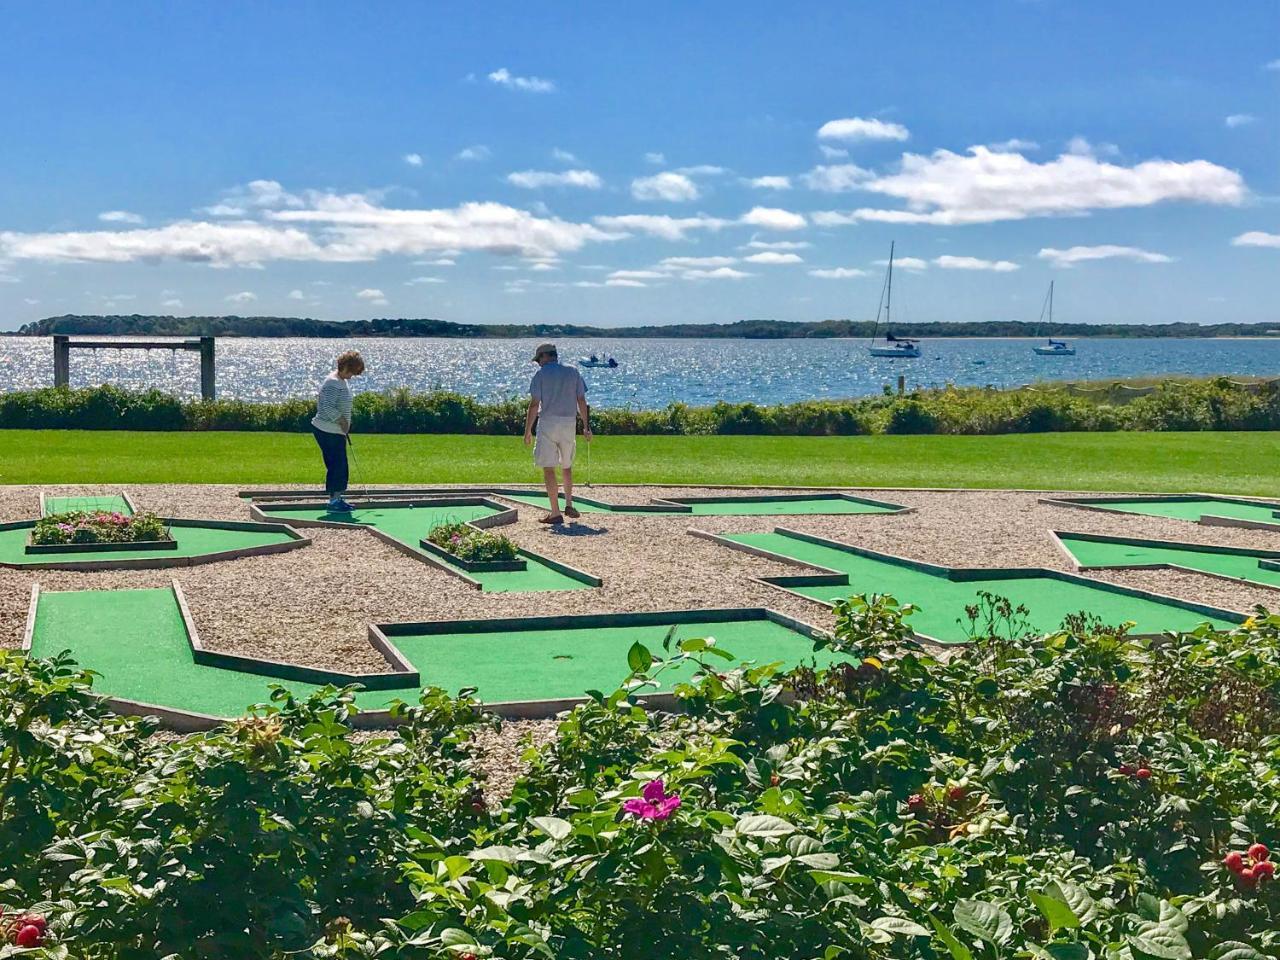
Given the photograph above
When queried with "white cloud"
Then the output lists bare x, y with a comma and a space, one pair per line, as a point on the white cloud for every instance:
905, 263
373, 296
535, 179
946, 188
1074, 255
588, 283
1013, 145
119, 216
773, 218
667, 228
857, 128
779, 245
244, 296
623, 282
477, 151
1256, 238
720, 273
772, 256
418, 281
1273, 65
657, 159
544, 265
413, 159
636, 275
702, 170
682, 263
564, 156
505, 78
669, 186
297, 295
1240, 120
1082, 147
837, 273
770, 183
836, 178
174, 302
832, 153
948, 262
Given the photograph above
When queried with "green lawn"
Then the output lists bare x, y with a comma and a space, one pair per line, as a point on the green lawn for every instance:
1239, 463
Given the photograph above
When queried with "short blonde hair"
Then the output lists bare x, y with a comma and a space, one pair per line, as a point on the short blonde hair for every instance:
351, 361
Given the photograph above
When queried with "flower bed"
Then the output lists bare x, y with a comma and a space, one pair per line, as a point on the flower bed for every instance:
473, 550
93, 531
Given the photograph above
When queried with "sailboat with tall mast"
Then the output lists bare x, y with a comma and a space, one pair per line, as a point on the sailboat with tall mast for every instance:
899, 347
1055, 348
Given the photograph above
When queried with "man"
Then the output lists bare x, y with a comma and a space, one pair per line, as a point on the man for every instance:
557, 397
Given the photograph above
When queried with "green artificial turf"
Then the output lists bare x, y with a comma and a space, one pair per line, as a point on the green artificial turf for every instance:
112, 503
1193, 510
1231, 463
941, 602
192, 542
1113, 553
743, 506
136, 641
410, 524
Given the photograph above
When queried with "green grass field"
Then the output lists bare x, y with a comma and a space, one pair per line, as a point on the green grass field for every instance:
1236, 463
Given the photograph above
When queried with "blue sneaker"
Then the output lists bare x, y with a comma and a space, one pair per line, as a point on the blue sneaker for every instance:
338, 505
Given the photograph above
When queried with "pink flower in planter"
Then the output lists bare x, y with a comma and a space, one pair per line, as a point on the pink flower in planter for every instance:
653, 804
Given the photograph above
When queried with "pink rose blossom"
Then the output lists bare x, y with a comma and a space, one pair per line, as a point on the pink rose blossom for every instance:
653, 804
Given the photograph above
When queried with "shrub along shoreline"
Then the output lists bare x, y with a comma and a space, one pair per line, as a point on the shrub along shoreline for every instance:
1214, 404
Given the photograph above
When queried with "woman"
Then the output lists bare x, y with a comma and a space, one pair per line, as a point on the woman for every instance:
332, 426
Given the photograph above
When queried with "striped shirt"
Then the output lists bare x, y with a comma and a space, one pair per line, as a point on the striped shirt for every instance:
333, 404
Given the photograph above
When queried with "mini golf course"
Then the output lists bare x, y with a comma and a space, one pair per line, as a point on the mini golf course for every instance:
404, 523
1096, 552
1211, 511
145, 649
942, 593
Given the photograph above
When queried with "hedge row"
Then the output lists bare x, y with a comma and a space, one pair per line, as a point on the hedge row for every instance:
1217, 404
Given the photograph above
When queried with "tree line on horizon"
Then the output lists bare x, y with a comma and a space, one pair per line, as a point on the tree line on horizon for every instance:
235, 326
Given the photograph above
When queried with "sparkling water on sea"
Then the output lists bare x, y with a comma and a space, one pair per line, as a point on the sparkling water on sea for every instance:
651, 373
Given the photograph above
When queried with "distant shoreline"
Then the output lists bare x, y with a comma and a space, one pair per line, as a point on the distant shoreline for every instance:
138, 325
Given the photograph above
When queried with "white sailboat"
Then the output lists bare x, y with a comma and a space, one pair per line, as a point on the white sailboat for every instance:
1055, 348
897, 347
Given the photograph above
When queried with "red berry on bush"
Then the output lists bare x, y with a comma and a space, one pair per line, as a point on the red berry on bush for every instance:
1259, 852
1248, 877
1233, 861
915, 802
28, 936
957, 794
1127, 770
774, 780
1264, 868
1143, 773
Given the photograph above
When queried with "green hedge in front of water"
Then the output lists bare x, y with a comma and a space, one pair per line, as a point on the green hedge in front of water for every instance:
1216, 404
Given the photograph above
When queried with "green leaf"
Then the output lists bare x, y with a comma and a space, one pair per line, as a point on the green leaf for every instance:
1159, 942
639, 658
763, 825
553, 827
957, 949
984, 920
899, 926
1235, 950
504, 854
1057, 912
453, 937
1076, 897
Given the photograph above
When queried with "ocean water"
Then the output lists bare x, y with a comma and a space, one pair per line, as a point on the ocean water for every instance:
652, 373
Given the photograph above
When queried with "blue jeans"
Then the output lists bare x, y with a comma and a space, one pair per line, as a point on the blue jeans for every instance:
333, 447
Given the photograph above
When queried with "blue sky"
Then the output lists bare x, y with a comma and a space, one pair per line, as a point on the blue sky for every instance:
664, 162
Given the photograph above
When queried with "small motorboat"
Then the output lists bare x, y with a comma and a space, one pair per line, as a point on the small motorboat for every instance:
595, 361
896, 347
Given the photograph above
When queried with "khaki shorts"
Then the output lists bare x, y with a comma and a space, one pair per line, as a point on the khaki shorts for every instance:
556, 442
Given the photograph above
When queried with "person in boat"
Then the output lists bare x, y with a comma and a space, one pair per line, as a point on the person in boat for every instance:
557, 397
612, 362
331, 427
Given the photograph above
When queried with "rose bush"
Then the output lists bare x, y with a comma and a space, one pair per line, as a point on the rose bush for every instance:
897, 805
